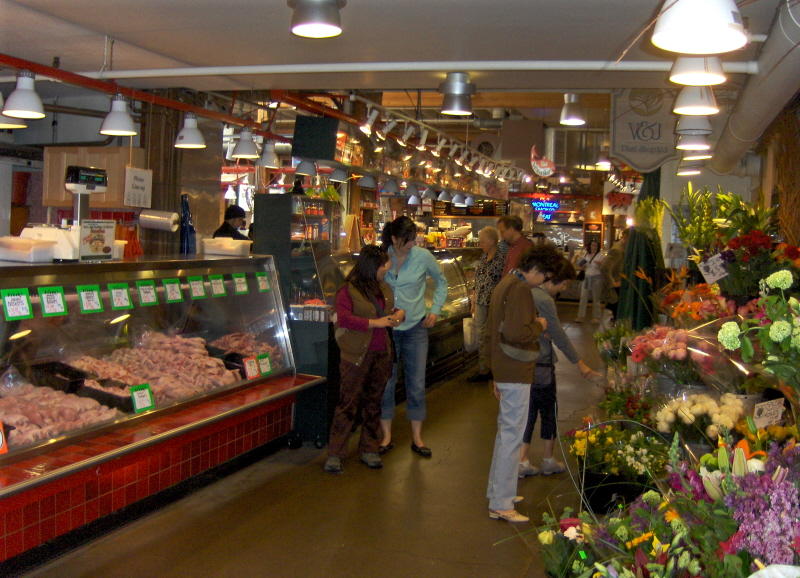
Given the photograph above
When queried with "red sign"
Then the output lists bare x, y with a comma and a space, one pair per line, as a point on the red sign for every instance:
542, 166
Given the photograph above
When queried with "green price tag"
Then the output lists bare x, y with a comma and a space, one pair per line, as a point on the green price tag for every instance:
89, 298
264, 364
120, 296
142, 397
217, 285
147, 293
240, 284
197, 289
16, 304
263, 282
172, 290
52, 301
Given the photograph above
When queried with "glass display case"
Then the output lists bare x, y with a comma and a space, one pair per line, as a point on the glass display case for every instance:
84, 347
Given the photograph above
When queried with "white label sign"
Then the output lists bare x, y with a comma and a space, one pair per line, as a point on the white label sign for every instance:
713, 269
138, 187
768, 413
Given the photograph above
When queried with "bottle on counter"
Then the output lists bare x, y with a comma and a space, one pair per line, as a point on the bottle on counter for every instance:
188, 236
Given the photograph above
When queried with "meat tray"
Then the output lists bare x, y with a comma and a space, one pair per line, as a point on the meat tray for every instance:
232, 360
122, 402
57, 375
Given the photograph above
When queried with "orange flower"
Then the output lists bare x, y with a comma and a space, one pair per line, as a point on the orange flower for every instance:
670, 515
641, 274
745, 445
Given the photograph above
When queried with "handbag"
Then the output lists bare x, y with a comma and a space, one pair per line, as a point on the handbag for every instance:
470, 334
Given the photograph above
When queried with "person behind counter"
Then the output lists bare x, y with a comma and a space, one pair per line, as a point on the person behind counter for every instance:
364, 309
510, 229
512, 332
411, 267
487, 275
234, 220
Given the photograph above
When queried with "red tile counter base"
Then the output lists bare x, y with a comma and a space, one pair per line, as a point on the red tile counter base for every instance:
54, 507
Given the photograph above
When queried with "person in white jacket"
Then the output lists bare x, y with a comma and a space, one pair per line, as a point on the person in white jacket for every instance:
593, 282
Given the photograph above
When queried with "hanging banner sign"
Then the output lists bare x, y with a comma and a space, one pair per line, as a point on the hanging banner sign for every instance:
642, 127
542, 166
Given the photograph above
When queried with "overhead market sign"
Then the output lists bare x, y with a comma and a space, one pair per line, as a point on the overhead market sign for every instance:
546, 207
542, 166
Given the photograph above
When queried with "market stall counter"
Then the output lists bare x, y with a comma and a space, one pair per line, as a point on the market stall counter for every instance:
122, 379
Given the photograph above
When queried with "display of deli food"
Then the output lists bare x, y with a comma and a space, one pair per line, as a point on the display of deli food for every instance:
247, 344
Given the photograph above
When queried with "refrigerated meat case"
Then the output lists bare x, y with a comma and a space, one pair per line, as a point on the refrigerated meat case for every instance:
122, 379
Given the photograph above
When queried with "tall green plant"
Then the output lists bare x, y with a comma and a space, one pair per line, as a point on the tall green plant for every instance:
741, 217
696, 219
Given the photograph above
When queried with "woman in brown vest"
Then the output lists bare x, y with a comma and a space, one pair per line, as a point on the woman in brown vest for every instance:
364, 309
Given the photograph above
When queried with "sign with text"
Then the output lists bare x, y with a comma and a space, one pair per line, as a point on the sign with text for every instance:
16, 304
89, 298
240, 283
147, 293
768, 413
97, 239
642, 127
142, 397
138, 187
172, 290
52, 301
713, 269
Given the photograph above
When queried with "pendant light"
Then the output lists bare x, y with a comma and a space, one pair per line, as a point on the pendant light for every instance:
571, 113
367, 182
444, 196
269, 158
246, 148
457, 90
696, 100
413, 194
697, 71
118, 121
23, 102
699, 27
190, 136
338, 176
390, 187
603, 164
688, 124
688, 169
688, 142
423, 138
366, 128
316, 18
459, 200
429, 193
230, 193
6, 122
306, 168
470, 201
403, 140
697, 155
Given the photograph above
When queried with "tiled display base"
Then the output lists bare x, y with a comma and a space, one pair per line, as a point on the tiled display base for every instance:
60, 503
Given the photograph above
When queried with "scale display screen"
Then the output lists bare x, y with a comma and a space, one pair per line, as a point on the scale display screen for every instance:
86, 178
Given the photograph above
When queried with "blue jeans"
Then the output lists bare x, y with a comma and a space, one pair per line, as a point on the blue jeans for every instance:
511, 416
411, 346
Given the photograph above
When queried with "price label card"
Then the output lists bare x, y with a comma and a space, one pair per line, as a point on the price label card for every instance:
3, 440
768, 413
147, 293
240, 283
264, 364
251, 369
142, 397
217, 285
52, 301
263, 282
89, 298
172, 290
120, 296
16, 304
197, 289
713, 269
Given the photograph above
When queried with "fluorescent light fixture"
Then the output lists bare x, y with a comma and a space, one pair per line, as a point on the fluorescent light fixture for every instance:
269, 158
338, 176
699, 27
118, 121
403, 140
307, 168
230, 193
571, 113
367, 182
366, 128
457, 90
688, 142
444, 196
697, 155
387, 128
316, 18
246, 147
190, 136
696, 125
6, 122
697, 71
696, 100
423, 138
23, 102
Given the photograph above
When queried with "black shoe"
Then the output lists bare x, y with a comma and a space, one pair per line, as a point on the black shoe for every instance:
385, 449
480, 377
424, 451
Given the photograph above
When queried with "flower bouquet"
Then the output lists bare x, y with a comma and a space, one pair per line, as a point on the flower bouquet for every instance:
748, 258
695, 305
699, 417
665, 351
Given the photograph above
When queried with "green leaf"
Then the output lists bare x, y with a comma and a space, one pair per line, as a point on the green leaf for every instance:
747, 349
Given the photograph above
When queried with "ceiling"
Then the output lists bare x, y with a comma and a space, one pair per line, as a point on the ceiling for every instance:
401, 47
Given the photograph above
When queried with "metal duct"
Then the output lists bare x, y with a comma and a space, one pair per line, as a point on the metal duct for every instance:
765, 93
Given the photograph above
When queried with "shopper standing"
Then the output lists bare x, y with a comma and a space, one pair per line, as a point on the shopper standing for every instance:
408, 275
513, 331
543, 388
593, 281
510, 229
487, 275
364, 311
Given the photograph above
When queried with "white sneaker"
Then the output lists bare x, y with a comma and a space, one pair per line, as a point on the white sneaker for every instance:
526, 470
552, 466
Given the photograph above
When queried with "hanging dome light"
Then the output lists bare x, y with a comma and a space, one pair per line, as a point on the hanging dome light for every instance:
230, 193
7, 122
429, 193
338, 175
367, 182
190, 136
269, 158
697, 155
306, 168
699, 27
689, 169
697, 71
571, 112
457, 90
390, 187
316, 18
693, 124
444, 196
689, 142
470, 201
24, 102
118, 121
459, 200
246, 148
696, 100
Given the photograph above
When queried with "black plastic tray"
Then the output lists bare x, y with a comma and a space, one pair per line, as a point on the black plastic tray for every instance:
121, 402
58, 375
232, 360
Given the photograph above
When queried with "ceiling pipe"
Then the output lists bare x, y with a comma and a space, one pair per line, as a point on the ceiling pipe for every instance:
765, 94
113, 88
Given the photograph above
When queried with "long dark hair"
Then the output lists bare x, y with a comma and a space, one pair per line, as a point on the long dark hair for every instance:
402, 227
364, 275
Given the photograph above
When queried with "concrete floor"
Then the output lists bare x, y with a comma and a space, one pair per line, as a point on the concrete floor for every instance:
283, 516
